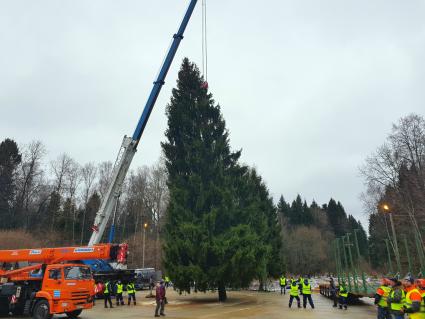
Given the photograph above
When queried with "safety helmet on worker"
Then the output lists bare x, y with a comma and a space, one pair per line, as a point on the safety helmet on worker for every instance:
408, 281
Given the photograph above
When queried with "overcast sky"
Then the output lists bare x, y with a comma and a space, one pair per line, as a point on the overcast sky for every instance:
308, 88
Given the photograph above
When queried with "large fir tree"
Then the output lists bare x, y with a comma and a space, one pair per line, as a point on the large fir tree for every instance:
208, 242
9, 160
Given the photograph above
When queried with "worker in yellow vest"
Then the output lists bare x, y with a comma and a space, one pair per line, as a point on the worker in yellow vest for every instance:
420, 284
343, 297
396, 301
107, 294
381, 297
119, 291
414, 305
294, 293
282, 282
306, 290
131, 292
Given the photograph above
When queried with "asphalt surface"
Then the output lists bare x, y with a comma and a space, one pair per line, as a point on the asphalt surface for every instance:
240, 304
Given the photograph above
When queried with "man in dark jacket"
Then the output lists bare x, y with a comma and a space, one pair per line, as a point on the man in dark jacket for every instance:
160, 298
333, 290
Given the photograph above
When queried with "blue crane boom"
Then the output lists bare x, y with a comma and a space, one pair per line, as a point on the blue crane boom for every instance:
163, 73
129, 144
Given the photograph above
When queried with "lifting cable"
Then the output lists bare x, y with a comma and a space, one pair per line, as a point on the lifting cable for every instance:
204, 44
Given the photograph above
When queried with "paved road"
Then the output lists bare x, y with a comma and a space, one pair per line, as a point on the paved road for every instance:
244, 304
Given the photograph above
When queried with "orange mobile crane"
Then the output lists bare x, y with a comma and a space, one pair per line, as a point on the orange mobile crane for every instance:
48, 281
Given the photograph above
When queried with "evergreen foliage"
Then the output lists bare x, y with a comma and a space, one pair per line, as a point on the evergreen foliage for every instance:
221, 228
9, 160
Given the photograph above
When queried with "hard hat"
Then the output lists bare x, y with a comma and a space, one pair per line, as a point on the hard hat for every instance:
408, 281
409, 278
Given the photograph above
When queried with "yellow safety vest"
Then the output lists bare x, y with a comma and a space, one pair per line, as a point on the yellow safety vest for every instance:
130, 289
294, 289
343, 292
119, 288
409, 302
282, 281
383, 301
395, 305
422, 309
306, 289
106, 291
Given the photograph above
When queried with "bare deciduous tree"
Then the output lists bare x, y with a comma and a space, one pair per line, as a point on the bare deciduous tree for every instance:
105, 173
73, 179
29, 179
88, 176
60, 168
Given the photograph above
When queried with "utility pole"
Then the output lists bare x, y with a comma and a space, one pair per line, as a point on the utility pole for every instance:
145, 225
387, 209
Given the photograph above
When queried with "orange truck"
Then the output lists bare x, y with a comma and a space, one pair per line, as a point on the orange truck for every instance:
47, 281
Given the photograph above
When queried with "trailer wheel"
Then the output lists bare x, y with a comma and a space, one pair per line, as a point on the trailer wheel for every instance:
74, 314
42, 310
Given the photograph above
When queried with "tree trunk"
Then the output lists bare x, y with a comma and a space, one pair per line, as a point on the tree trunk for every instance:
222, 296
261, 286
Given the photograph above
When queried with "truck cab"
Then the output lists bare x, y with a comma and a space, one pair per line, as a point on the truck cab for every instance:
66, 288
56, 289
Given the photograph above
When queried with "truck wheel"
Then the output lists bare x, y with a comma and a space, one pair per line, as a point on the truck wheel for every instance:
4, 307
74, 314
42, 310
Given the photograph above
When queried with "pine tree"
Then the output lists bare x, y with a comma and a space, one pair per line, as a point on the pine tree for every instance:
206, 243
295, 217
283, 207
9, 160
337, 217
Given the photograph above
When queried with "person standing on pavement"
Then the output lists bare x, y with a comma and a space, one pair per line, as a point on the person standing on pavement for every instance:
381, 296
414, 305
107, 294
420, 286
306, 290
396, 300
160, 299
294, 294
119, 291
332, 289
167, 281
343, 297
131, 292
282, 282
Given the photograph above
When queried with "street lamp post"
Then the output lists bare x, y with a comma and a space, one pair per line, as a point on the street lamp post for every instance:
145, 225
387, 209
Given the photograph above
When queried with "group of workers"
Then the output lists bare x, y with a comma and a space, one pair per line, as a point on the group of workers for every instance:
396, 298
116, 288
297, 287
302, 286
